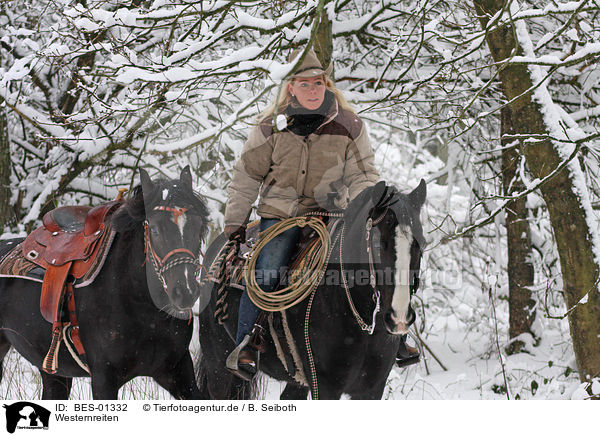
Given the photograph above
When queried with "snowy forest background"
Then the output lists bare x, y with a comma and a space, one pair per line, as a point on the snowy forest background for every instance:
495, 103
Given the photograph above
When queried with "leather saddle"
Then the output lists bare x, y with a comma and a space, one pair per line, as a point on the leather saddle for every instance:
66, 246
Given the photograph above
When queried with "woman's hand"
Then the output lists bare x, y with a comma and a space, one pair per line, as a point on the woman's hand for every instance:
235, 233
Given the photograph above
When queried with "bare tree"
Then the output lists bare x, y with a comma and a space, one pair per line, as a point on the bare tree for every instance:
6, 213
551, 160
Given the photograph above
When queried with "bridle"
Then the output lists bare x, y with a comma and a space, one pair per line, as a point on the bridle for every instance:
163, 264
372, 275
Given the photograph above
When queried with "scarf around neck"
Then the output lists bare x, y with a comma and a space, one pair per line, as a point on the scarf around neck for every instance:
302, 121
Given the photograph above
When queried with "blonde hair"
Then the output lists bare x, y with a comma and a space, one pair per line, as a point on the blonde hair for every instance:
285, 99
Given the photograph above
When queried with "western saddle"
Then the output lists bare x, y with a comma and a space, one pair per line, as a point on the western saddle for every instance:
66, 246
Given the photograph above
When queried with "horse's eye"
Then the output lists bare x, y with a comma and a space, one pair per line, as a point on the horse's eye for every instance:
153, 230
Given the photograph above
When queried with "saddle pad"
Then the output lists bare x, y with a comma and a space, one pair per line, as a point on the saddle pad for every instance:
16, 265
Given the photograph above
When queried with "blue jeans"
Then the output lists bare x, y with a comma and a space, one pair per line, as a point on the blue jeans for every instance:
272, 262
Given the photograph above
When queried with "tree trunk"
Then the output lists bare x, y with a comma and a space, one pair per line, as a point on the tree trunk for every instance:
6, 213
518, 235
323, 44
567, 214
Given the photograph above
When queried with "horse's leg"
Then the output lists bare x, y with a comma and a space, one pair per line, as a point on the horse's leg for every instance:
328, 391
106, 385
179, 380
293, 391
370, 394
55, 387
4, 349
219, 384
372, 384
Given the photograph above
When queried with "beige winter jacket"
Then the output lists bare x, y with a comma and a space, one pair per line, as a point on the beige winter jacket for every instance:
294, 174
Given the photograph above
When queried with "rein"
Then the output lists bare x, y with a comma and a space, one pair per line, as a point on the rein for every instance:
372, 278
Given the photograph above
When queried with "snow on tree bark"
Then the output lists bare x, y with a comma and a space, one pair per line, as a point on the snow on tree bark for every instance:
562, 194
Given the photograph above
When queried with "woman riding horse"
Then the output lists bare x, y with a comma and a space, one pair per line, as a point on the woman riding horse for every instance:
318, 159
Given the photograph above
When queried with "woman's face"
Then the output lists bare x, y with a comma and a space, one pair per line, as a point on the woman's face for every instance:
309, 91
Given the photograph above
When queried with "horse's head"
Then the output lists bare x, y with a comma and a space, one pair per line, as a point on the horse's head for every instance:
175, 224
387, 239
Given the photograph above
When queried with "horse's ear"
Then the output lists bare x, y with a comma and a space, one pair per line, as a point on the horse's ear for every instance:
186, 176
379, 191
147, 185
418, 195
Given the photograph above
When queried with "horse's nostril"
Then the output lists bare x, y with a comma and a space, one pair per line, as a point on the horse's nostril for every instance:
412, 316
177, 294
182, 297
389, 317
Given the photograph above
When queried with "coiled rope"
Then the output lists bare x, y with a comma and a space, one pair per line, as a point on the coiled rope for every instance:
302, 281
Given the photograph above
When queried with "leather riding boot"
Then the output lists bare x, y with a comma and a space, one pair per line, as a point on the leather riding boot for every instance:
407, 355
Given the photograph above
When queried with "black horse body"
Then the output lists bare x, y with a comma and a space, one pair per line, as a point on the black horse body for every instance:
123, 330
347, 359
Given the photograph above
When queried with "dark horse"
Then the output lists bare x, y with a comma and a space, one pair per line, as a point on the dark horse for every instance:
132, 322
349, 351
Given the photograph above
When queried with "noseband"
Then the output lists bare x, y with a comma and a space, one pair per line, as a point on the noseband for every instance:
162, 265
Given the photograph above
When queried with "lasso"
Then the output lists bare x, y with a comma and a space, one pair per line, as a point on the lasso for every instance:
303, 280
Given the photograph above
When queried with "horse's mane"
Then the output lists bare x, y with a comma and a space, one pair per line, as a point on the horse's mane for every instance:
391, 198
133, 212
400, 204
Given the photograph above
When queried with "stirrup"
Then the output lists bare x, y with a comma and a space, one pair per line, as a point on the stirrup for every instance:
401, 363
233, 359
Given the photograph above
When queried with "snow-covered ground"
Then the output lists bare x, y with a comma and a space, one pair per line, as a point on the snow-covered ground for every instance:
463, 340
461, 333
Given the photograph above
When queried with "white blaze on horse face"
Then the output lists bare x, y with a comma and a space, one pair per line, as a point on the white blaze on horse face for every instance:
181, 224
401, 297
181, 220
